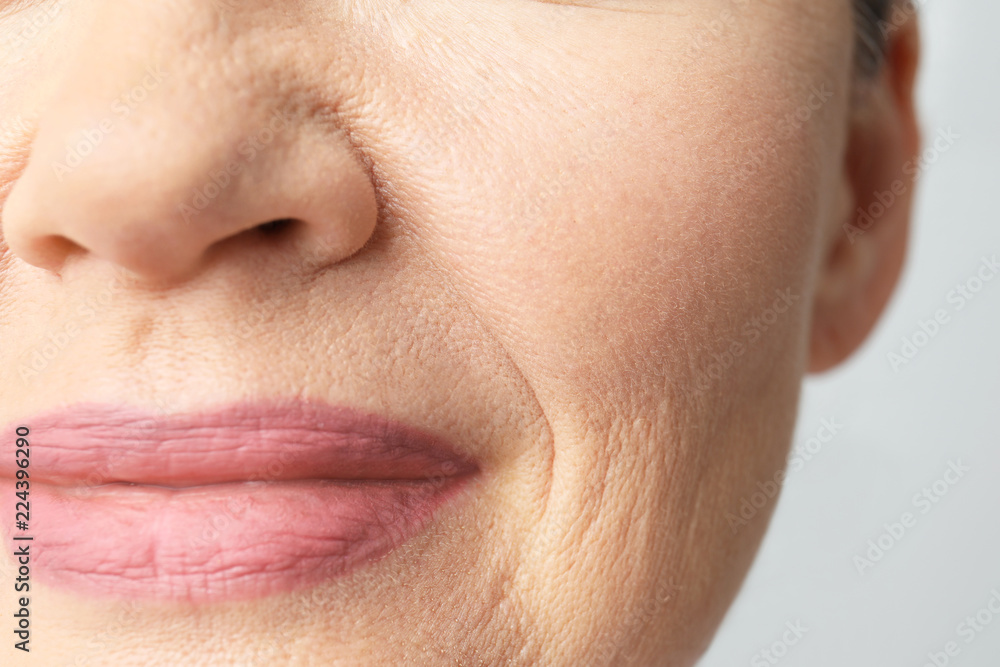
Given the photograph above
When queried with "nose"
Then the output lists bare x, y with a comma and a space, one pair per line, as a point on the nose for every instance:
174, 141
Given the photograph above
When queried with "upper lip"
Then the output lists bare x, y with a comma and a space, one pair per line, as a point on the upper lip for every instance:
94, 444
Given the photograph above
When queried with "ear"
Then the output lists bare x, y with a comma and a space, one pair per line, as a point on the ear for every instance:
865, 252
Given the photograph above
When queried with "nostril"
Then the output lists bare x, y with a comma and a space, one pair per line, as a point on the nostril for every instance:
51, 252
275, 226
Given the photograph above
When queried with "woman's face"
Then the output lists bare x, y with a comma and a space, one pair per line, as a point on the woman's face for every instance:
581, 242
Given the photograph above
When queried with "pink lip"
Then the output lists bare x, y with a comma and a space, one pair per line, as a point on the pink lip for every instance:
247, 501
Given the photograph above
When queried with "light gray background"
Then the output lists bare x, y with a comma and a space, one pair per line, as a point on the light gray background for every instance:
901, 429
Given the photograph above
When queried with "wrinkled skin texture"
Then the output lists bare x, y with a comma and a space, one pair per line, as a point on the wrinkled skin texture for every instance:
527, 226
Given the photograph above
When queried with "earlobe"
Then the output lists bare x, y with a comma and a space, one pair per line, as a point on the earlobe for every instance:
865, 253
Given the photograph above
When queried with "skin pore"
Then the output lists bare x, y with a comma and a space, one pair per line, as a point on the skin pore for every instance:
595, 245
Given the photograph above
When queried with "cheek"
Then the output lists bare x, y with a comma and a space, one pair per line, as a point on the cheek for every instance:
646, 246
616, 202
611, 231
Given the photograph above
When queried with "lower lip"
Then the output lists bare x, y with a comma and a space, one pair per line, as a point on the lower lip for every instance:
226, 541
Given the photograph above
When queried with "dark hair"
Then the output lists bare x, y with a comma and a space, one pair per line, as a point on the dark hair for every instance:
870, 44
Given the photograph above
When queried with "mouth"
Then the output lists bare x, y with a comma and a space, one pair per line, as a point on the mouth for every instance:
244, 502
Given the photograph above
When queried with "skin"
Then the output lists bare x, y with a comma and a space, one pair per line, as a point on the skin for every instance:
527, 226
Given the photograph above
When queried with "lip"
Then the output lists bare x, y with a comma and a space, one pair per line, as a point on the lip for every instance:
247, 501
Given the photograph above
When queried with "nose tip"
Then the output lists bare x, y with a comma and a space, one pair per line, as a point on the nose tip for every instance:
161, 178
